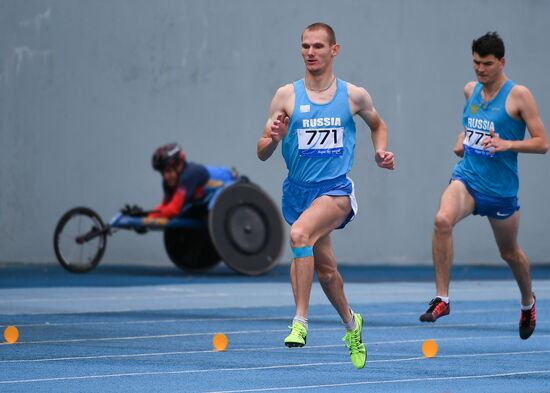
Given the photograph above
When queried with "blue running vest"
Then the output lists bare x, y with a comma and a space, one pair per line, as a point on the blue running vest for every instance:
320, 142
486, 172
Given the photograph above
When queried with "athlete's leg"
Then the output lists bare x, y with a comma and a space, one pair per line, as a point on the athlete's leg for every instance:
506, 232
456, 203
333, 286
329, 277
301, 277
324, 215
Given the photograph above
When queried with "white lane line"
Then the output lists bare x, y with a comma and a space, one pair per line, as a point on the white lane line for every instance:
272, 367
324, 317
388, 381
174, 353
156, 336
475, 355
260, 331
367, 328
278, 348
149, 373
155, 321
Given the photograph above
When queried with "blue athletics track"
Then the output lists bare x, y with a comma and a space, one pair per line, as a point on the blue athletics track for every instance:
150, 329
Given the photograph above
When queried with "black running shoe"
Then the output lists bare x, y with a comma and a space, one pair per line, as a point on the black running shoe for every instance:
438, 308
527, 321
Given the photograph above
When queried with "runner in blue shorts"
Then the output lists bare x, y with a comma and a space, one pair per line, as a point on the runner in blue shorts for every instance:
485, 182
312, 119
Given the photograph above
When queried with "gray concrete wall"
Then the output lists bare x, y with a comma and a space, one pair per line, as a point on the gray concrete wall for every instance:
89, 88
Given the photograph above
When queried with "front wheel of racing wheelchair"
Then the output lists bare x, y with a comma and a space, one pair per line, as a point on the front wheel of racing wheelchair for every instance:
80, 239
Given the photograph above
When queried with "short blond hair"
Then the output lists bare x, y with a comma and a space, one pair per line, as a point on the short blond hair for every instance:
325, 27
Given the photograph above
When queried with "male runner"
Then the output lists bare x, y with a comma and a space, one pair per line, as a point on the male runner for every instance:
485, 182
312, 119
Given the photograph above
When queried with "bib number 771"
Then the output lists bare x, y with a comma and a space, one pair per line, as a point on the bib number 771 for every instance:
473, 143
324, 142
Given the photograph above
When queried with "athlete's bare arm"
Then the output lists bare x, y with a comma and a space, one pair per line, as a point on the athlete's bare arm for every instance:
276, 126
361, 104
458, 147
521, 104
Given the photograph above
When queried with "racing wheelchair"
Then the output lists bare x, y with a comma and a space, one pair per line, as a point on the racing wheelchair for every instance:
235, 221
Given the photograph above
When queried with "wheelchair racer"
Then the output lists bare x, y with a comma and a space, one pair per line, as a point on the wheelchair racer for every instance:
183, 182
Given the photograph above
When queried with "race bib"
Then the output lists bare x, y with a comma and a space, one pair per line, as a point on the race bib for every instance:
323, 142
473, 143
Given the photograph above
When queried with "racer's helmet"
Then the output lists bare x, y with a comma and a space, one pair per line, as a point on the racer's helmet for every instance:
167, 156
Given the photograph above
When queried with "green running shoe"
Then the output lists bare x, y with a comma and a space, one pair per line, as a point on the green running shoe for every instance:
354, 341
297, 336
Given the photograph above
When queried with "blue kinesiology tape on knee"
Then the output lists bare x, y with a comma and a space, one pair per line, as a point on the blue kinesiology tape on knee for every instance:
302, 252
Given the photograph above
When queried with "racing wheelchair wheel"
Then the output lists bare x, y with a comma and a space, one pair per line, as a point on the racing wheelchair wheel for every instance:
190, 249
246, 228
80, 239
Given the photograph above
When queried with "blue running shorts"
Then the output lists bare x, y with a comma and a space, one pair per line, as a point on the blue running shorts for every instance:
495, 207
297, 197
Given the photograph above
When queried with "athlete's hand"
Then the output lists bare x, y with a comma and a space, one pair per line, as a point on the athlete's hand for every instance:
384, 159
495, 143
458, 148
279, 128
133, 211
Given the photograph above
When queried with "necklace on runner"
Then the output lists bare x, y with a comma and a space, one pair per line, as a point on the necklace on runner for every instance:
320, 90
